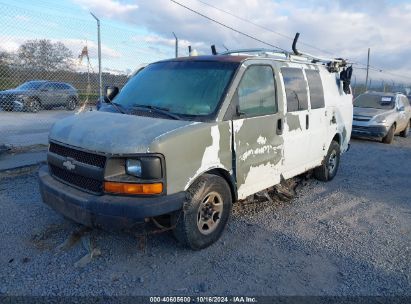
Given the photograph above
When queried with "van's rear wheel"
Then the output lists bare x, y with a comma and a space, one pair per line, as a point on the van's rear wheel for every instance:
405, 132
329, 167
387, 139
205, 214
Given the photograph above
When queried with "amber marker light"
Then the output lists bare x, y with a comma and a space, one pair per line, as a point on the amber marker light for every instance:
126, 188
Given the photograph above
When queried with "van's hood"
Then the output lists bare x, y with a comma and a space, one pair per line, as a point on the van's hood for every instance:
370, 112
112, 133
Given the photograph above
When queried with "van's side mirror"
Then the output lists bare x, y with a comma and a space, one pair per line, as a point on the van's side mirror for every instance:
401, 109
110, 92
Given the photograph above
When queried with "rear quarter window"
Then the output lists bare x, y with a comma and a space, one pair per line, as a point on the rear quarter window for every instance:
316, 89
295, 89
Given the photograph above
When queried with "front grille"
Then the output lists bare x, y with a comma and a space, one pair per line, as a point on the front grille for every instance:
361, 119
77, 180
81, 156
360, 128
371, 129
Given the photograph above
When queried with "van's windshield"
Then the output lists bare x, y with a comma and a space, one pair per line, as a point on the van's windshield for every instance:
374, 101
192, 88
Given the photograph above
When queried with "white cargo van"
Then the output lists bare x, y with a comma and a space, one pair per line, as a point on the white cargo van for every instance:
187, 137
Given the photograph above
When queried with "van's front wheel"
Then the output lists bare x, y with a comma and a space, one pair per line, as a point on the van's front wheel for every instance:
205, 214
329, 167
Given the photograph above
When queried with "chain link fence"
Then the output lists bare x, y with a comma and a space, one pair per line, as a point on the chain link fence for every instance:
49, 66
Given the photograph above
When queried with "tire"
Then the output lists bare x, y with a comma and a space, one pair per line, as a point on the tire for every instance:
387, 139
205, 213
33, 105
329, 167
71, 104
405, 132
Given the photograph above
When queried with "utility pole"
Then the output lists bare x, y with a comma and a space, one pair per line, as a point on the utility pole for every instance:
368, 67
176, 44
355, 84
100, 83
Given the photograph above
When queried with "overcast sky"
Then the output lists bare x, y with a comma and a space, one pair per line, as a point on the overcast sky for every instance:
137, 31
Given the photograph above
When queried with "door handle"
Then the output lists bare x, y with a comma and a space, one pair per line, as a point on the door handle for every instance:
307, 121
280, 126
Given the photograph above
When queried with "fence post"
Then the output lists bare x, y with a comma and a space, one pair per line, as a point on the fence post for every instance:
100, 84
176, 44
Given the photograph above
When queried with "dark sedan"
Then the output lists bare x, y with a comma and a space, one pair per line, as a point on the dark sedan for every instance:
33, 95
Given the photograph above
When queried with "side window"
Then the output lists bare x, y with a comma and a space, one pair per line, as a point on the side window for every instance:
295, 89
400, 102
58, 86
405, 101
316, 89
48, 87
256, 91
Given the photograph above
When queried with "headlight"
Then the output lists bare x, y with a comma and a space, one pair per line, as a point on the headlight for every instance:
21, 97
133, 167
140, 174
381, 120
145, 167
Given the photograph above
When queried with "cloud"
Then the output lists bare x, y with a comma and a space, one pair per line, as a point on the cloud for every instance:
10, 44
344, 28
157, 40
22, 18
108, 8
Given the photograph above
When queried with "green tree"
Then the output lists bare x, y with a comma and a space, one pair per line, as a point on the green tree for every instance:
45, 55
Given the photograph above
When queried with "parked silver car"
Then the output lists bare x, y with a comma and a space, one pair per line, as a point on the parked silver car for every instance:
33, 95
381, 115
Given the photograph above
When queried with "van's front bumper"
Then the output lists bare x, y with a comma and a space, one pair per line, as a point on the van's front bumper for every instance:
369, 131
105, 211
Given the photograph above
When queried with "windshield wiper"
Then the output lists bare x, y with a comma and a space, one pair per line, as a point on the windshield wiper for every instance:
119, 107
164, 111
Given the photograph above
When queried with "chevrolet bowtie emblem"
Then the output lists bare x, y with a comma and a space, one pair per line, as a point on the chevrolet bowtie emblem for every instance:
68, 164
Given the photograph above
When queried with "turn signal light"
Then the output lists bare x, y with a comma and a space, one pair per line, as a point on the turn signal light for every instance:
125, 188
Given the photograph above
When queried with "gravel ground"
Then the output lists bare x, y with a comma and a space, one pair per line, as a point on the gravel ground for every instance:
347, 237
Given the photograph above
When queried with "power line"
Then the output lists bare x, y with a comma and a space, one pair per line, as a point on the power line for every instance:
229, 27
374, 68
263, 27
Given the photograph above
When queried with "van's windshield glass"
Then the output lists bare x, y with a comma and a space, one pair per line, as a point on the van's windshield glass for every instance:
374, 101
192, 88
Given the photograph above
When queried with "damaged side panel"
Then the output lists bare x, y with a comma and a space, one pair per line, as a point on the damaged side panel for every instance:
258, 152
207, 146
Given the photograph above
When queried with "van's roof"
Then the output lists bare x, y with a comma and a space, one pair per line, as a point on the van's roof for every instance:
219, 58
233, 58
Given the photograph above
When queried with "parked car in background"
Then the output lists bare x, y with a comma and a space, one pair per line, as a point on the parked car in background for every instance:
381, 115
34, 95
